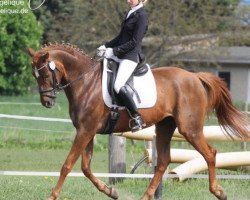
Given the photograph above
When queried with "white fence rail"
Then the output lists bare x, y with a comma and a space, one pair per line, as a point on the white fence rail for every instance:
34, 118
108, 175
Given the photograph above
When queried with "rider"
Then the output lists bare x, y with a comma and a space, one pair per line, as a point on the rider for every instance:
127, 48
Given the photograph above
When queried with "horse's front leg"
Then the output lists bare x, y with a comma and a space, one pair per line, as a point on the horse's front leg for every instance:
86, 160
80, 142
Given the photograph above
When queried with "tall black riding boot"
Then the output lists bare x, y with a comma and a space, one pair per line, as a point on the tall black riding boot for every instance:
136, 123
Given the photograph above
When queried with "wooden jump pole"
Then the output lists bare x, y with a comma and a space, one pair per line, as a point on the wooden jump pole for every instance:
193, 161
177, 155
211, 133
223, 160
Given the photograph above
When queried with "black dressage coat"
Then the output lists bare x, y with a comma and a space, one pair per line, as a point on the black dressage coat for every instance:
127, 45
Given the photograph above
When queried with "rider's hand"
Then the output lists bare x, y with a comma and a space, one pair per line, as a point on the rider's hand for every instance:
101, 50
109, 53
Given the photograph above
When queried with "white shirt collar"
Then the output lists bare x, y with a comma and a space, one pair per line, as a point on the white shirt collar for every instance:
134, 9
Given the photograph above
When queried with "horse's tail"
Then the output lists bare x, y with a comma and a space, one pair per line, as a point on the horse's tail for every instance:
219, 99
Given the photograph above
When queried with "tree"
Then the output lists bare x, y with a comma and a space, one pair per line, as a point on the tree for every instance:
18, 31
183, 23
55, 16
80, 22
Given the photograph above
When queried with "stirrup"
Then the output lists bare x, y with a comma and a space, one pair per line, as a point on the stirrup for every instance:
136, 123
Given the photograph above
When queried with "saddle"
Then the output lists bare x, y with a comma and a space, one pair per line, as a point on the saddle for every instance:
113, 66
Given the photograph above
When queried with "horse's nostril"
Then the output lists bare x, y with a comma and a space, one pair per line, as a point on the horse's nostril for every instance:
47, 104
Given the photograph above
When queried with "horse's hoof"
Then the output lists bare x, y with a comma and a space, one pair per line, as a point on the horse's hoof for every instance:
146, 197
114, 193
220, 194
52, 198
223, 197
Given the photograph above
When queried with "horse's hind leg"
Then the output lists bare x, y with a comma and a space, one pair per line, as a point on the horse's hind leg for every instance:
195, 137
164, 133
86, 160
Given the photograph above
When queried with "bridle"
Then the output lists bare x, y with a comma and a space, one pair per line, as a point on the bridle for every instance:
56, 87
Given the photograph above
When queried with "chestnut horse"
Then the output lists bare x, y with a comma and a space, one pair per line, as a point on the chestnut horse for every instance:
183, 101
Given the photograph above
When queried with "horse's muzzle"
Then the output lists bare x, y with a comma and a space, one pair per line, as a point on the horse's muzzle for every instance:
49, 104
48, 101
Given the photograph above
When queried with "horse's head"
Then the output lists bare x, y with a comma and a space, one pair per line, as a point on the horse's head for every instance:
46, 71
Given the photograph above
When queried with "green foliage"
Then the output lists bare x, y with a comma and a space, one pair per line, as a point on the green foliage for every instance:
18, 31
80, 22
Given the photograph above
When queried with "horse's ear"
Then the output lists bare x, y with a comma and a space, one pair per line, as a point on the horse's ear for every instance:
31, 51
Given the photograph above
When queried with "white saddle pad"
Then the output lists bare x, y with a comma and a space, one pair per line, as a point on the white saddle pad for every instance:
144, 85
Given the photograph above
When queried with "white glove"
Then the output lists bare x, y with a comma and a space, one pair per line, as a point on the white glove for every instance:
101, 50
109, 53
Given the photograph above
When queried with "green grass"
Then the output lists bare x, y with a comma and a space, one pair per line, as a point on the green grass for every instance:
59, 110
43, 146
76, 188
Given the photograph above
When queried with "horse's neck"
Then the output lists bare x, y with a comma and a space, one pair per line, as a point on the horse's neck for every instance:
80, 91
74, 63
81, 72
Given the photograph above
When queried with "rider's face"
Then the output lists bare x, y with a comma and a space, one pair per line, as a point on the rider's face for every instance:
133, 3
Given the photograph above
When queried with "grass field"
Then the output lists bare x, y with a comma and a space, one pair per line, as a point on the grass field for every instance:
38, 188
42, 146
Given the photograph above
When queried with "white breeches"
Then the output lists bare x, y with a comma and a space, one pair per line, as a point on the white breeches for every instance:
126, 68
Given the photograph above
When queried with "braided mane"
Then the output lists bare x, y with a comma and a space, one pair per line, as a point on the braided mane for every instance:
70, 48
